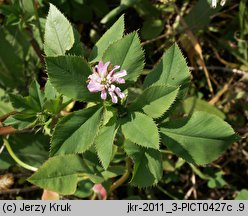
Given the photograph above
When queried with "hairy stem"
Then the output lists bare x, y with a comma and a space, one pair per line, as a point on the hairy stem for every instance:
124, 177
16, 159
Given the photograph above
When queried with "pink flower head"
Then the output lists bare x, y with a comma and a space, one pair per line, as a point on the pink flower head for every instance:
103, 80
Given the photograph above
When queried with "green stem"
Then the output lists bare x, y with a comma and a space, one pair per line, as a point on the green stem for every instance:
166, 192
16, 159
93, 197
124, 177
166, 151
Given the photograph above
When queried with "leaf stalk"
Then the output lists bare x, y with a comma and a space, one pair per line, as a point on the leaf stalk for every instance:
16, 159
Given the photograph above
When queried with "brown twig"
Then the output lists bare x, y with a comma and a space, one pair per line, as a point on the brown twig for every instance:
196, 47
10, 130
7, 130
241, 130
224, 69
36, 46
217, 97
154, 39
223, 61
19, 190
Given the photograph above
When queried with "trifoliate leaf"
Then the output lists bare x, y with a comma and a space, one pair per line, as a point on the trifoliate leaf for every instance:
199, 139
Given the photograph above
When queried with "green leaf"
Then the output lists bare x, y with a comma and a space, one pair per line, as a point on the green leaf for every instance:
104, 142
152, 28
50, 91
24, 104
113, 171
199, 139
84, 189
148, 168
36, 94
28, 8
201, 8
109, 113
59, 35
217, 181
127, 52
59, 174
76, 132
5, 105
78, 49
30, 104
94, 169
172, 70
21, 121
11, 64
113, 13
68, 75
53, 106
242, 195
156, 100
193, 104
141, 130
113, 34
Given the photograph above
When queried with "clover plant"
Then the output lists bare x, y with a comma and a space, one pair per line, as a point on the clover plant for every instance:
118, 133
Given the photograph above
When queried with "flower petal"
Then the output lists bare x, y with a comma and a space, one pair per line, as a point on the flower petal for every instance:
104, 94
120, 80
113, 96
95, 86
103, 68
119, 74
112, 88
119, 93
94, 77
116, 67
99, 66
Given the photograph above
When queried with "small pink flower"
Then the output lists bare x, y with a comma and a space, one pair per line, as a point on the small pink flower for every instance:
103, 81
100, 191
